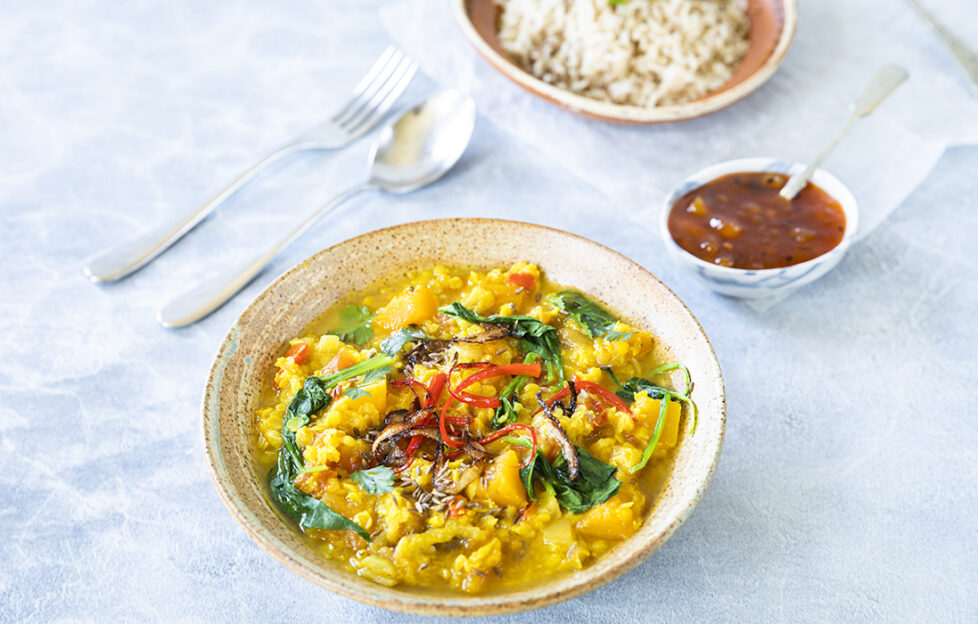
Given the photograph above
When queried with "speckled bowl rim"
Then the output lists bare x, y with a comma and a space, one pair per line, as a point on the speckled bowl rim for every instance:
755, 164
436, 605
626, 114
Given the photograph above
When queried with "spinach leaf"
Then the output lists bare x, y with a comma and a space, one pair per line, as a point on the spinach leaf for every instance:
595, 484
377, 480
506, 412
593, 319
635, 385
355, 325
309, 512
535, 335
393, 344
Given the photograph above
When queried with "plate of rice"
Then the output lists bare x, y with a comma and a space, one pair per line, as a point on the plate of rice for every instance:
633, 61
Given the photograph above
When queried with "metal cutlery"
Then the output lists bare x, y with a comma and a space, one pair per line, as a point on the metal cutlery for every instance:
888, 78
370, 100
416, 150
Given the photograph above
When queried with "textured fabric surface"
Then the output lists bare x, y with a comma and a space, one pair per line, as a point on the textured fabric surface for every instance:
848, 485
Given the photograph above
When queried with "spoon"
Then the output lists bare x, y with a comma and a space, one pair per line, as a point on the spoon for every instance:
888, 78
413, 152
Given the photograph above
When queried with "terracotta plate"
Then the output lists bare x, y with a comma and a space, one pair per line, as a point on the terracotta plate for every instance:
296, 298
772, 28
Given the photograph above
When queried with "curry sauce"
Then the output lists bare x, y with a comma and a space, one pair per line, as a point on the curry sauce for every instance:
451, 468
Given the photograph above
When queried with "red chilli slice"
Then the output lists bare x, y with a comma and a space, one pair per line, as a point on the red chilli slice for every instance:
444, 431
528, 370
604, 394
492, 437
435, 387
418, 388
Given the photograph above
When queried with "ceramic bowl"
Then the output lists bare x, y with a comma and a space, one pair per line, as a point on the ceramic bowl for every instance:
297, 297
773, 25
762, 283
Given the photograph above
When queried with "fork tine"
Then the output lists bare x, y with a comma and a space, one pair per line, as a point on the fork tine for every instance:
361, 99
377, 74
372, 74
382, 102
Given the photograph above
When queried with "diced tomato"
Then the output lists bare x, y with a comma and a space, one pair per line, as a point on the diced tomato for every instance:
526, 281
456, 507
299, 352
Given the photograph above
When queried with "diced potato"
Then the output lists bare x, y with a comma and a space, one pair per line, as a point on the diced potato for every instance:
502, 480
610, 520
409, 308
377, 569
376, 396
559, 533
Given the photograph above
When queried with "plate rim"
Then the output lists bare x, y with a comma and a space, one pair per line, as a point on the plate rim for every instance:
404, 601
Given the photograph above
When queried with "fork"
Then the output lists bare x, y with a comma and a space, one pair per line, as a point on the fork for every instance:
372, 97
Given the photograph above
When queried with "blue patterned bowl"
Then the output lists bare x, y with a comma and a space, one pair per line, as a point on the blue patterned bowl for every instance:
760, 283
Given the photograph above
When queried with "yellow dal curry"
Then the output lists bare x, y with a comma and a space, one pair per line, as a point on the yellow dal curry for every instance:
395, 463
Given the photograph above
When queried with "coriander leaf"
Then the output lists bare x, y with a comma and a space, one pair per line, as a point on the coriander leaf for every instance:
355, 392
393, 344
619, 335
370, 377
535, 335
378, 480
355, 325
376, 373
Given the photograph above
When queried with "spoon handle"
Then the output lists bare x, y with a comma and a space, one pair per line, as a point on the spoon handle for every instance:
122, 260
215, 292
888, 78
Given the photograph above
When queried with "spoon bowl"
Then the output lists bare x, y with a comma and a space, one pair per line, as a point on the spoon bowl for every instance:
417, 149
423, 144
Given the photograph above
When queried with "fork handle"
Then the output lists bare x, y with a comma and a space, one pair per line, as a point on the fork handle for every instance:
133, 254
215, 292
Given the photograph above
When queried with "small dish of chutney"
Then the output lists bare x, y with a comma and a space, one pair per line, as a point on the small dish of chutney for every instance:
731, 228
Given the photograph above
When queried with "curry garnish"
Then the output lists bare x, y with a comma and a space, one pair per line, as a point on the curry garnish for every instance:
464, 428
535, 335
591, 317
355, 325
314, 396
